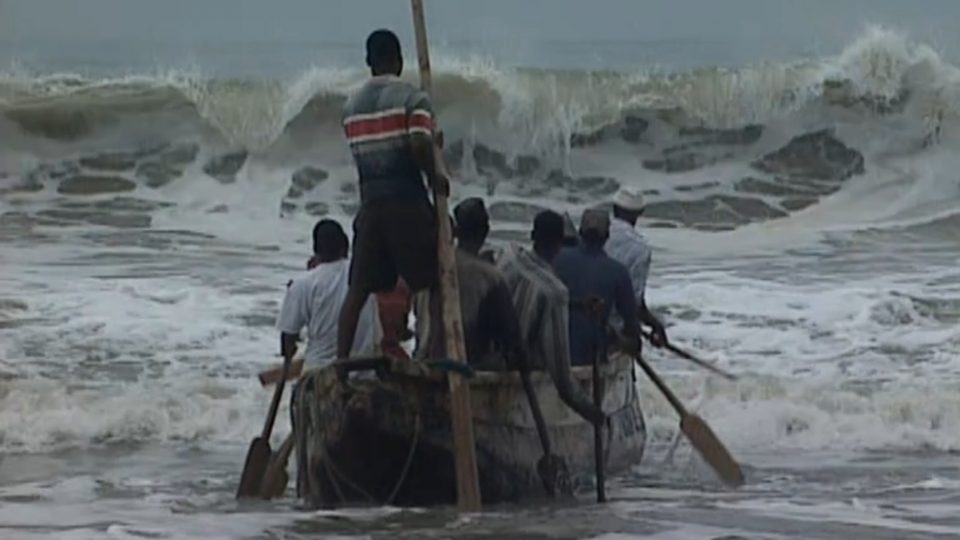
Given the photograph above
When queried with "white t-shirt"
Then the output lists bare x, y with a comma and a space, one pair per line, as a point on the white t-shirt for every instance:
314, 300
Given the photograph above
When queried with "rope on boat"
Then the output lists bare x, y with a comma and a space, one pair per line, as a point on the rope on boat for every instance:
311, 435
334, 472
409, 462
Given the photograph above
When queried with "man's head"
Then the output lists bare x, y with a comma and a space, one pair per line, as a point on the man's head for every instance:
628, 205
329, 241
473, 223
595, 227
383, 53
547, 234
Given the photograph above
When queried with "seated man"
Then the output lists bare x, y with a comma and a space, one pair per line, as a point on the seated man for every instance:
314, 300
590, 274
490, 327
542, 303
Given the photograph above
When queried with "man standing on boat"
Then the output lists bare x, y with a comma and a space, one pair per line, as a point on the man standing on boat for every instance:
590, 274
542, 304
314, 300
627, 246
389, 127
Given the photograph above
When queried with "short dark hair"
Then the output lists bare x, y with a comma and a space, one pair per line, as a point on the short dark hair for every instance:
547, 228
329, 240
472, 219
383, 48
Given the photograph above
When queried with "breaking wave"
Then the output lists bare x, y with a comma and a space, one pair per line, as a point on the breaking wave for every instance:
715, 149
862, 141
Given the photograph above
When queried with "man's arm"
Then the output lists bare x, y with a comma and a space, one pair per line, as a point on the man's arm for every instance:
555, 344
288, 345
659, 333
626, 306
639, 272
421, 130
571, 395
293, 317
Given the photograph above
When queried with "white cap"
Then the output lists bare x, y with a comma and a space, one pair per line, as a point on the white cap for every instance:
629, 199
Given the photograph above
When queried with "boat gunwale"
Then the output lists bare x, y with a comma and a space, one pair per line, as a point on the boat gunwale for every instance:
391, 367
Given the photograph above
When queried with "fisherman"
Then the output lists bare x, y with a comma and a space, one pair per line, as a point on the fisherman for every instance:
314, 300
389, 127
627, 246
490, 327
542, 304
590, 275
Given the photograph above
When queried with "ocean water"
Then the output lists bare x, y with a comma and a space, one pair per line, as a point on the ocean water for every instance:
157, 194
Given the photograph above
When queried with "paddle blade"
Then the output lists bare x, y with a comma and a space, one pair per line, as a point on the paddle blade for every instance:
275, 481
258, 457
709, 446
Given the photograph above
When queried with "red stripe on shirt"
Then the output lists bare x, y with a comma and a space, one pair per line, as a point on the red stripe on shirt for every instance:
375, 126
421, 121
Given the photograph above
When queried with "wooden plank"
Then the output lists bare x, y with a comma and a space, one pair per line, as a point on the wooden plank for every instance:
461, 415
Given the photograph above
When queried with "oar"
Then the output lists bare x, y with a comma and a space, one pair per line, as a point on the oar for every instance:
273, 375
258, 456
461, 415
598, 401
275, 479
687, 356
551, 467
699, 433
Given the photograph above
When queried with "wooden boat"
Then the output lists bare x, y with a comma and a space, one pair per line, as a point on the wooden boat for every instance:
383, 436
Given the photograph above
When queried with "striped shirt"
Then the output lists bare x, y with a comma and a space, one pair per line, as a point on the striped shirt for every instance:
379, 120
542, 305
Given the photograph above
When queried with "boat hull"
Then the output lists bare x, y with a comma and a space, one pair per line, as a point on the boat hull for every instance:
386, 439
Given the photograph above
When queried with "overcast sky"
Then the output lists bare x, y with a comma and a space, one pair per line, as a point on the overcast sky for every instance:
343, 20
748, 29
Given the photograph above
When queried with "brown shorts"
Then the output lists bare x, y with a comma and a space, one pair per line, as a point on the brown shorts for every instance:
394, 238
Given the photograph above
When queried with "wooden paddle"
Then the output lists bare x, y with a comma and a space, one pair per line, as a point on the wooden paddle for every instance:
258, 456
273, 375
551, 467
461, 415
275, 479
687, 356
598, 465
699, 433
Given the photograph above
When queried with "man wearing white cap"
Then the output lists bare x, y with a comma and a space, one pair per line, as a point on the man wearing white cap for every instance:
627, 246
